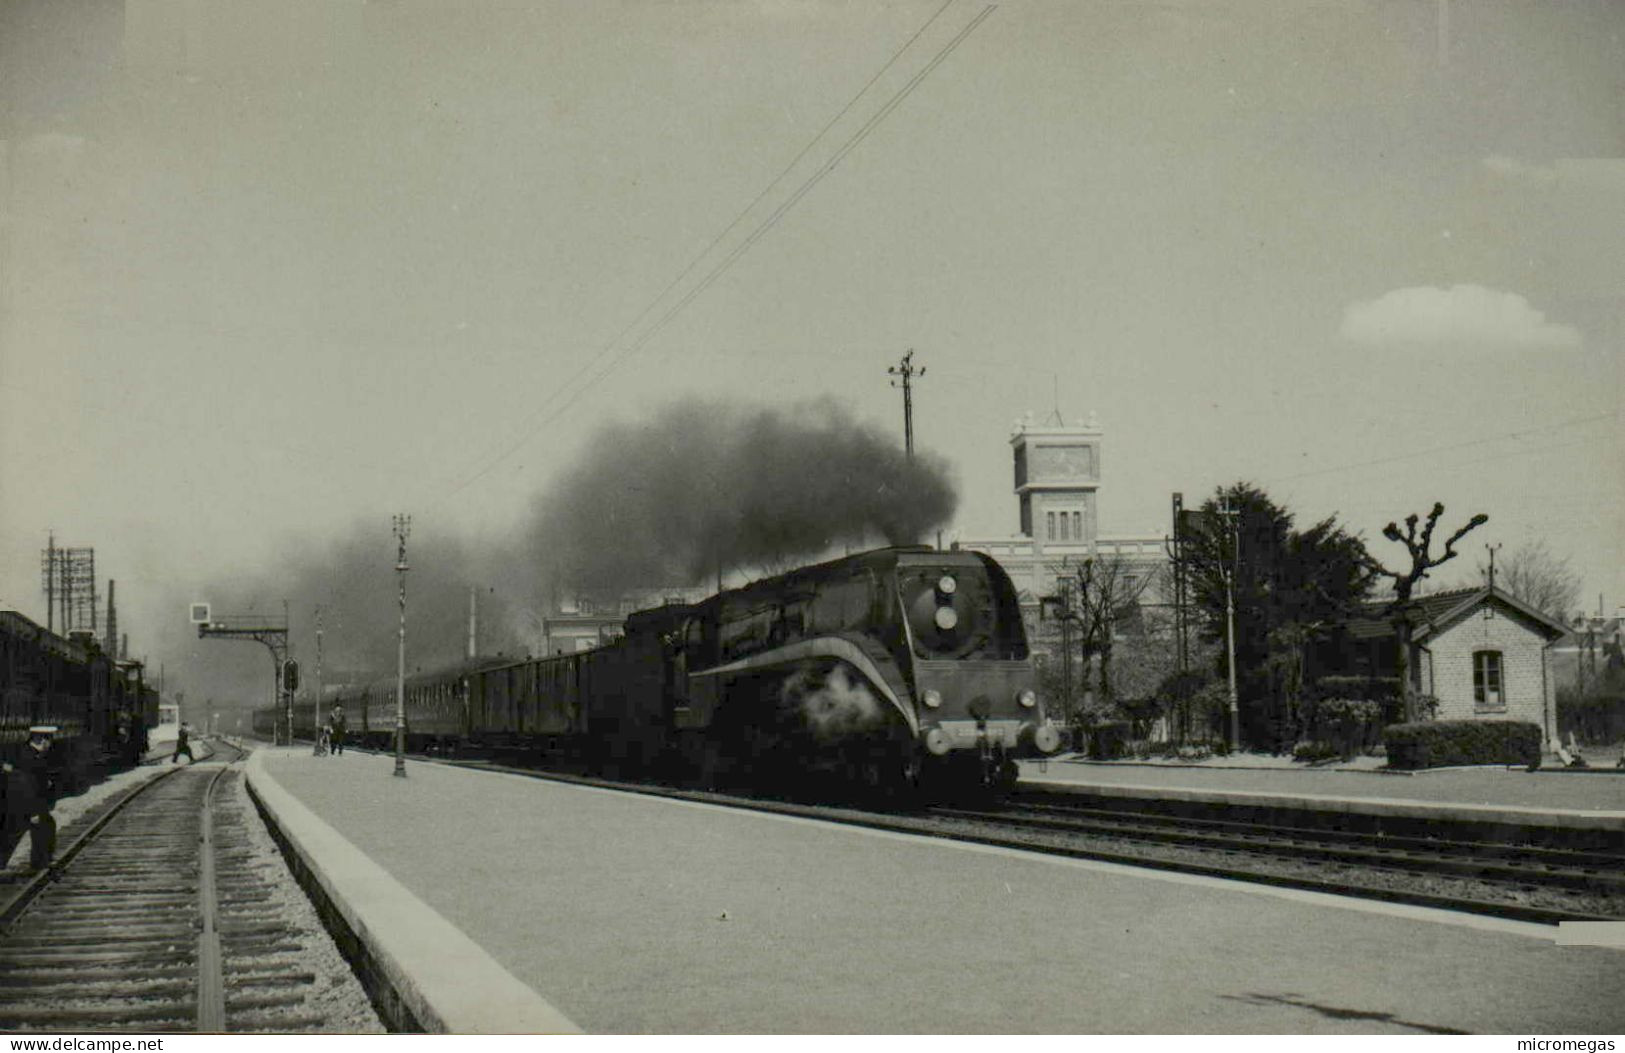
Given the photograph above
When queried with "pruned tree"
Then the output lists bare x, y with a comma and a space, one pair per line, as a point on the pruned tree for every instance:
1538, 577
1422, 559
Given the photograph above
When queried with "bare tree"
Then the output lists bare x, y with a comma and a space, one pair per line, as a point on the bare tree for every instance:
1095, 599
1420, 549
1538, 577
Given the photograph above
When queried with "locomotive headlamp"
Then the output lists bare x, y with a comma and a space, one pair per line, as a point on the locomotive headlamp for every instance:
1027, 699
947, 618
932, 697
946, 584
936, 742
1047, 739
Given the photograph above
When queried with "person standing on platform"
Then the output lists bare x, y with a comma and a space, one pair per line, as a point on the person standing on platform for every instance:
183, 744
337, 723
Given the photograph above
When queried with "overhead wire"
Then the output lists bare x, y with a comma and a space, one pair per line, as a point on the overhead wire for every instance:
614, 358
1431, 451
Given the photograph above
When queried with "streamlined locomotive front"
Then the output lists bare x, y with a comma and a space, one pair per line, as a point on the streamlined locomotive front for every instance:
973, 677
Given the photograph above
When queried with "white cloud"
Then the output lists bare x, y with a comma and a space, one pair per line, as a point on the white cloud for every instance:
1462, 315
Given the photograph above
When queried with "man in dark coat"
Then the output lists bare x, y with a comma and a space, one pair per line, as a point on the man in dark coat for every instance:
337, 724
31, 790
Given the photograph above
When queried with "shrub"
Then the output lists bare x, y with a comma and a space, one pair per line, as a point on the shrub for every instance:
1349, 725
1110, 739
1443, 743
1378, 688
1314, 750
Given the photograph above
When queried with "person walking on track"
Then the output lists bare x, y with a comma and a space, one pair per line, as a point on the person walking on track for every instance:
183, 744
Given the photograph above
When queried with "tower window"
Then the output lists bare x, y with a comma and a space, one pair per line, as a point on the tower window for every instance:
1049, 526
1066, 534
1077, 525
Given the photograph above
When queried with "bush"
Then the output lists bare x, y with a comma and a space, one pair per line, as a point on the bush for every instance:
1597, 717
1444, 743
1349, 725
1110, 739
1379, 688
1315, 750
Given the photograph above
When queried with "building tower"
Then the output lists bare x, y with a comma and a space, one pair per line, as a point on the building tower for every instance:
1057, 471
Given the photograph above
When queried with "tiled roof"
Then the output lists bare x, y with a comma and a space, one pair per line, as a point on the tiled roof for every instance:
1374, 622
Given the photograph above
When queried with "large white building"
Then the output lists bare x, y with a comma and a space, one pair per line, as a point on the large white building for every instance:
1057, 479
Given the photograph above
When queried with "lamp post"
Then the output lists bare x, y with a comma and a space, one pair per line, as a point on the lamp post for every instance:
316, 709
403, 527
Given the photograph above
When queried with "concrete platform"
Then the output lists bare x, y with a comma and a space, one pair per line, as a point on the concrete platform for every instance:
1558, 799
632, 914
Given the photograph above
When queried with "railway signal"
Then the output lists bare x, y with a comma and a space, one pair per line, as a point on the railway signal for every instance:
290, 675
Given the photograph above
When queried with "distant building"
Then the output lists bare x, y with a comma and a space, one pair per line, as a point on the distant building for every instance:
1057, 479
1591, 652
1484, 654
580, 621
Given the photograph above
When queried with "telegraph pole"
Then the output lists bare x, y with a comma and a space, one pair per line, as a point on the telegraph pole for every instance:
1491, 549
50, 582
1232, 515
403, 527
906, 370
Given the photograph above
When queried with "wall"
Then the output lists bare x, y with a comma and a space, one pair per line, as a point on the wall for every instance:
1525, 678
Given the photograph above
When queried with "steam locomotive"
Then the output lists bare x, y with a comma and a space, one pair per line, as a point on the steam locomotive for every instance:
891, 668
102, 708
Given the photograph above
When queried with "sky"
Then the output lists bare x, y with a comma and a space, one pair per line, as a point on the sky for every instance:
270, 274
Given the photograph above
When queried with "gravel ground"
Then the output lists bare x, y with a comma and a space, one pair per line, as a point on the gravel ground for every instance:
337, 994
1515, 788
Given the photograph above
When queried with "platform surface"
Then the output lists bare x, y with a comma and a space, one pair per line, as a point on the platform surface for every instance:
1502, 787
635, 914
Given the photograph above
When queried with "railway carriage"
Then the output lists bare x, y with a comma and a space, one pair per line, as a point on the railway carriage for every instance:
101, 708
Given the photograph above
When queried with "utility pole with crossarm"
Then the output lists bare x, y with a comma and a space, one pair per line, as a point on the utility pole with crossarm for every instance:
906, 370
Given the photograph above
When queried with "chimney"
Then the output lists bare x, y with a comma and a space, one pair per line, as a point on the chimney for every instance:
112, 621
473, 624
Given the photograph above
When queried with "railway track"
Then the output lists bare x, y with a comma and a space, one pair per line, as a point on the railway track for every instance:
1502, 878
160, 917
1496, 878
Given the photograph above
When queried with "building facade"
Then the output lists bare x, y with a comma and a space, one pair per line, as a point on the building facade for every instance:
1480, 652
1057, 473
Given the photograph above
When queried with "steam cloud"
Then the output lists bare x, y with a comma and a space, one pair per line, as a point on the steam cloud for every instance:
706, 486
832, 703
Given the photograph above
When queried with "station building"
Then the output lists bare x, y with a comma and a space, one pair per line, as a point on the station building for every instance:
1481, 652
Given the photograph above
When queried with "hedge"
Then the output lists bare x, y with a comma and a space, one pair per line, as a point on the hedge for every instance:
1443, 743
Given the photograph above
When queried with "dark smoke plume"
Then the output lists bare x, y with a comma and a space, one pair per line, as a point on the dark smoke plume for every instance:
705, 486
657, 503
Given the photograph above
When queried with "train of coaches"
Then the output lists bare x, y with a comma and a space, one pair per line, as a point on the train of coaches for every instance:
892, 667
99, 709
